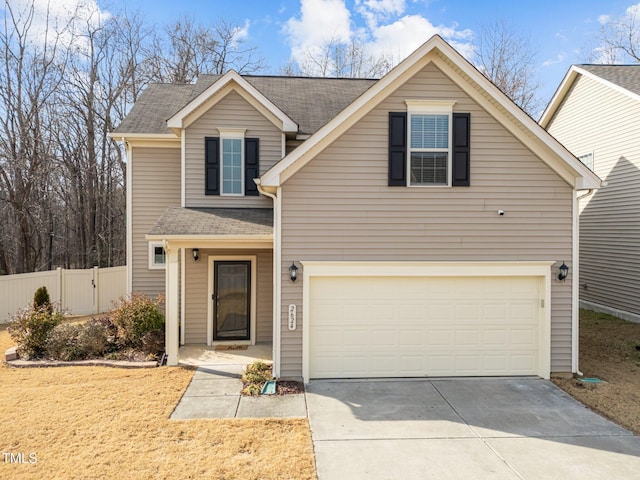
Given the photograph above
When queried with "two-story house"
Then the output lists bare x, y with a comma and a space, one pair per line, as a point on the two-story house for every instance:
595, 113
416, 225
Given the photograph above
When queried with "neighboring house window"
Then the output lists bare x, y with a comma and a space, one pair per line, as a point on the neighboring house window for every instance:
231, 164
587, 159
157, 257
429, 145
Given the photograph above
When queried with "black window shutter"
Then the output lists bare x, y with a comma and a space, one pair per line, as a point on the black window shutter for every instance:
251, 166
397, 149
461, 150
211, 166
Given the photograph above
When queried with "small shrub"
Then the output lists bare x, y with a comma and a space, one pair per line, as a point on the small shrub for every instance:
96, 338
30, 328
153, 343
64, 342
255, 377
41, 298
136, 316
252, 389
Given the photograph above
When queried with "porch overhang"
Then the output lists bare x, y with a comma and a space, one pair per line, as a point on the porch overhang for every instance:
216, 228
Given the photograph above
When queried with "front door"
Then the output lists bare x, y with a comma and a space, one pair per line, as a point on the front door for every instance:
231, 300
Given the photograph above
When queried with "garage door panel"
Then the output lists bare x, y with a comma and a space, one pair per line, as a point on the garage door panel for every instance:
423, 326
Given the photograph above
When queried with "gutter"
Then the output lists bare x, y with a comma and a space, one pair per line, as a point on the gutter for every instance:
277, 274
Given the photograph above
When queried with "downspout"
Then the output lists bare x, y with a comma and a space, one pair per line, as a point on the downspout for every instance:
576, 282
276, 277
129, 215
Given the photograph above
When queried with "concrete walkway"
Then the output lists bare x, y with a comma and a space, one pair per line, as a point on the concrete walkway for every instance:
214, 392
498, 429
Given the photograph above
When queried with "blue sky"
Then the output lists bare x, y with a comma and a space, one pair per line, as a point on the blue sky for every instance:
562, 31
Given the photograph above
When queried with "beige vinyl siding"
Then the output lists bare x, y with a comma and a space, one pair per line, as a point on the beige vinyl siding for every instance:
232, 111
155, 181
197, 295
339, 207
596, 118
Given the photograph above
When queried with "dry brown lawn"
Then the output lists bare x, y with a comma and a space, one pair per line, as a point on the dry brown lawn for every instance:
608, 352
106, 423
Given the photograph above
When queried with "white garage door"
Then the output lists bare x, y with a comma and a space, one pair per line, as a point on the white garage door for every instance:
415, 326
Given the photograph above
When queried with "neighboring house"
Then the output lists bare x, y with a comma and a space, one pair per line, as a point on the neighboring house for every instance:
427, 217
595, 113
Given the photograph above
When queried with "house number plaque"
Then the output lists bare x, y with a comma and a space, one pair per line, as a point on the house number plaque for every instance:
292, 317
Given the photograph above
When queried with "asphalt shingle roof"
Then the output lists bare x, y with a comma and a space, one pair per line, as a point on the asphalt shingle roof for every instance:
214, 221
625, 76
154, 106
310, 102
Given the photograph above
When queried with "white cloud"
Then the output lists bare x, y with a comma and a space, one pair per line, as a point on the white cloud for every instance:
559, 58
375, 11
403, 36
385, 32
320, 21
604, 19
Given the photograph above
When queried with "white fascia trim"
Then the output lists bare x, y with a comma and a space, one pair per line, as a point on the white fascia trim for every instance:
213, 239
567, 165
576, 175
284, 169
142, 136
541, 269
177, 120
558, 96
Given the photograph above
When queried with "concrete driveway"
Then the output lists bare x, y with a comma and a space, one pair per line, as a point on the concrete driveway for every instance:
463, 429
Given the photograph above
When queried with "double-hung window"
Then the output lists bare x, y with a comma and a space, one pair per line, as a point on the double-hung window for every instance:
232, 156
429, 142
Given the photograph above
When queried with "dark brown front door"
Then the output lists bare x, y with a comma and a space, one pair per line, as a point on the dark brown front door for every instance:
231, 300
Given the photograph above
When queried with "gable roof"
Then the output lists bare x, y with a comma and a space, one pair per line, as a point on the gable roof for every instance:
622, 78
310, 102
469, 79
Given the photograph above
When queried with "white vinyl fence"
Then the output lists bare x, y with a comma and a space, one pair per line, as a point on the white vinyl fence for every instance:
79, 292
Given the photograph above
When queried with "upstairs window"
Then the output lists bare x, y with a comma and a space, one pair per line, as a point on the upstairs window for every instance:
429, 145
232, 166
429, 148
231, 163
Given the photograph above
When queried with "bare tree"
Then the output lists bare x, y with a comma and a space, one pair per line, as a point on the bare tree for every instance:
30, 73
336, 58
187, 49
620, 38
507, 58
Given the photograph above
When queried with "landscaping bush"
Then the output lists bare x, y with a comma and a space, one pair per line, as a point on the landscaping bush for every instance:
96, 338
255, 377
30, 328
41, 298
63, 342
153, 343
135, 316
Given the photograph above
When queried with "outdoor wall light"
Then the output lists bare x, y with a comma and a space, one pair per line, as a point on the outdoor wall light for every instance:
196, 254
564, 270
293, 271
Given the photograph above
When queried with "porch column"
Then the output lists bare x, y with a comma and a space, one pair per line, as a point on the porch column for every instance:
171, 304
